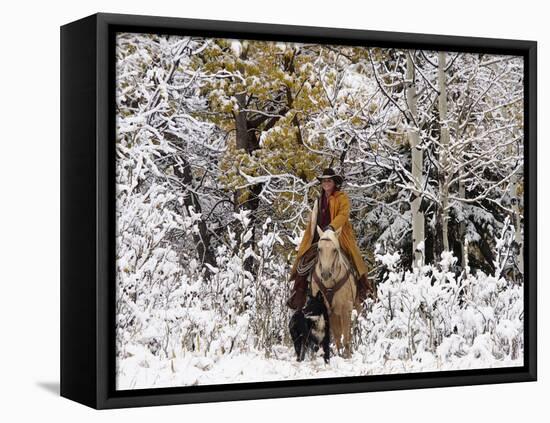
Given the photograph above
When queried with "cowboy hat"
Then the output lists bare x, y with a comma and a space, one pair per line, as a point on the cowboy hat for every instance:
329, 173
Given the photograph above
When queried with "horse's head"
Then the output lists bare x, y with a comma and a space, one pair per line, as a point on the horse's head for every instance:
329, 251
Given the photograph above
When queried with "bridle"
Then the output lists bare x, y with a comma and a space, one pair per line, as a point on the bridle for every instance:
328, 293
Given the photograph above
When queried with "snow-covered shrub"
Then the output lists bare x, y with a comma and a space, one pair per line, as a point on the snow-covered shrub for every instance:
171, 309
432, 318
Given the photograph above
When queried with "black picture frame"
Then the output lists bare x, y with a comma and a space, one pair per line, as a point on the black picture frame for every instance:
88, 211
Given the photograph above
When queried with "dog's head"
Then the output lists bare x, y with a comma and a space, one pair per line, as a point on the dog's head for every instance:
315, 307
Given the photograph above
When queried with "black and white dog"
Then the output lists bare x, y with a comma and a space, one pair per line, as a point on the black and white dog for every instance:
309, 328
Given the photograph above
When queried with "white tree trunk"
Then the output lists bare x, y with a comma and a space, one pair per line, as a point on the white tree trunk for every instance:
444, 153
462, 194
513, 192
516, 218
417, 170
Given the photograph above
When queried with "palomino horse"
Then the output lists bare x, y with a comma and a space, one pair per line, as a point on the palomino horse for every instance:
332, 276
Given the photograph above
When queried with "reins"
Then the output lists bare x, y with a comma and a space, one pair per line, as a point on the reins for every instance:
328, 293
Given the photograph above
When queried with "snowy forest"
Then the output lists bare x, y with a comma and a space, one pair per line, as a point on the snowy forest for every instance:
218, 144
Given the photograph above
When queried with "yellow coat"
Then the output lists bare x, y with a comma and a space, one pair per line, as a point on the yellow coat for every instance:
339, 205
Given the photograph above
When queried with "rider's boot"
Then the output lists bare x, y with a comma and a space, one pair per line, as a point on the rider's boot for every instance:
298, 295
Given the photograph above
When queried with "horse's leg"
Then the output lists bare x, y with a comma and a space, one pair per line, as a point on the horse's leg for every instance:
336, 331
348, 308
346, 329
340, 332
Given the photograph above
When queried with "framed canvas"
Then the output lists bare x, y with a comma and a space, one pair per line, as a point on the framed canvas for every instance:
256, 211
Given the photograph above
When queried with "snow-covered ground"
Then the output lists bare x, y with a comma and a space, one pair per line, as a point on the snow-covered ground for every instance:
146, 371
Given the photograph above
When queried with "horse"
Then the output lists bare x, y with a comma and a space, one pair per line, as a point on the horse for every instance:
332, 276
